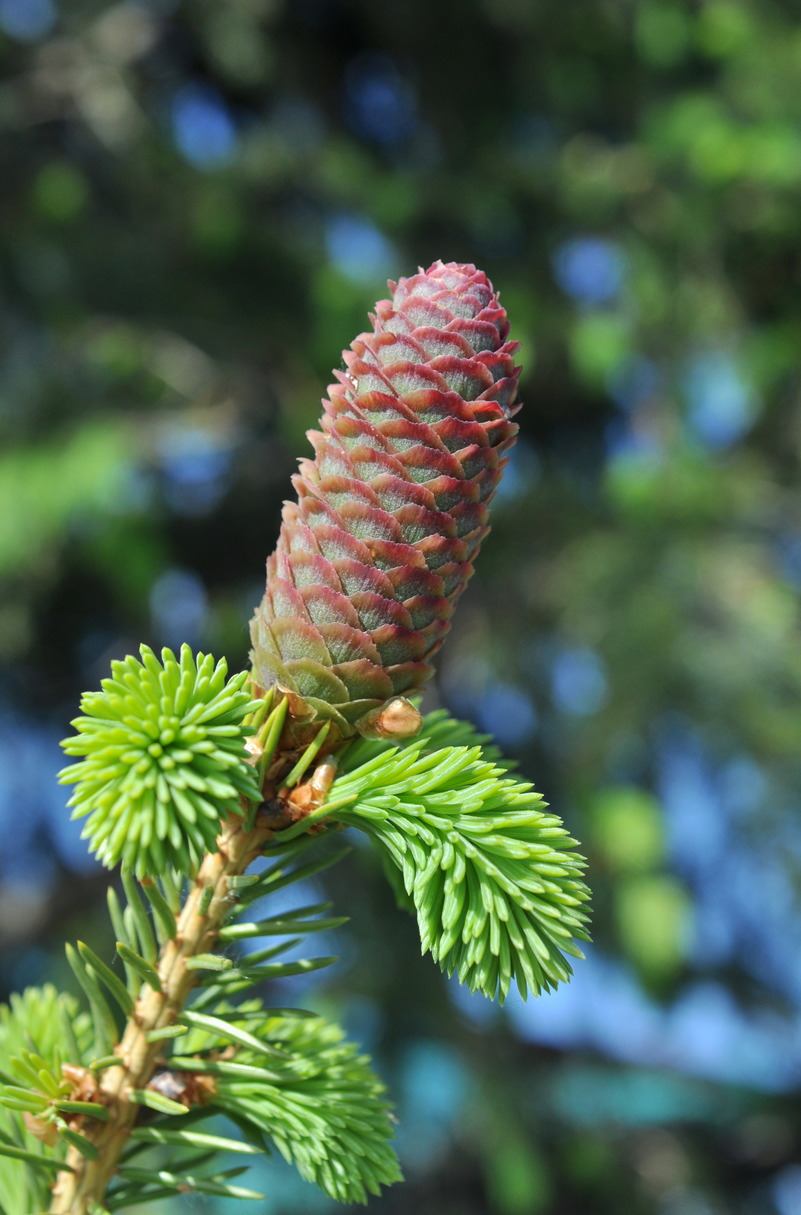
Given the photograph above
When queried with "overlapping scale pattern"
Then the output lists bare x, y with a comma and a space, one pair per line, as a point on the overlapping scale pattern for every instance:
391, 511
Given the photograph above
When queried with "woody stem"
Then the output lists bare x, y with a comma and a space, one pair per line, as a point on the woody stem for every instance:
195, 934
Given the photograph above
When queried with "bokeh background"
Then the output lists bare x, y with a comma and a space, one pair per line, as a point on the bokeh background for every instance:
199, 201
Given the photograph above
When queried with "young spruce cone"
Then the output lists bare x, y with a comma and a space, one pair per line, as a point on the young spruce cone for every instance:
391, 512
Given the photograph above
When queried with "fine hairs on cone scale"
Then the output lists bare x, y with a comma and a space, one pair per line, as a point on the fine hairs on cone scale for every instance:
185, 777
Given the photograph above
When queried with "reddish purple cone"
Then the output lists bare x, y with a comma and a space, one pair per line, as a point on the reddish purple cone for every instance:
372, 559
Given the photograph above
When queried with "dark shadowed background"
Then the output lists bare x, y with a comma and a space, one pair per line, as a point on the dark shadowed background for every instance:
199, 202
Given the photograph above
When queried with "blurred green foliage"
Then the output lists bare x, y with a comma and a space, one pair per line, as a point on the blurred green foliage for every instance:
199, 204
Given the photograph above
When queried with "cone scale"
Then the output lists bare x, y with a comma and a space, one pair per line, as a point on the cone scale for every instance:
391, 510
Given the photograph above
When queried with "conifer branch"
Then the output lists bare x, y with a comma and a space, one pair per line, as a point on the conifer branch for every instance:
185, 779
186, 959
139, 1051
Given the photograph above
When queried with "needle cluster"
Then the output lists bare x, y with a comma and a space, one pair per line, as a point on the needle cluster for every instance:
163, 760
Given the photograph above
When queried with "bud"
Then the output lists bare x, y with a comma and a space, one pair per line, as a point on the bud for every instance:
395, 721
391, 511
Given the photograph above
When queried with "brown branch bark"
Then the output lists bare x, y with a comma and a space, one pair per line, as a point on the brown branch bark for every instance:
73, 1192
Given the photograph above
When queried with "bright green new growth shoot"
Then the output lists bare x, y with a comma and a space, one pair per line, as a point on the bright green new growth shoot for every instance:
164, 760
492, 878
187, 777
